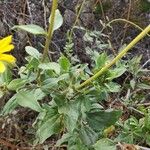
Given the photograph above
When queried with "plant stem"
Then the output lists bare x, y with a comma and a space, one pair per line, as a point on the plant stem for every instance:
77, 18
49, 36
126, 21
50, 30
117, 58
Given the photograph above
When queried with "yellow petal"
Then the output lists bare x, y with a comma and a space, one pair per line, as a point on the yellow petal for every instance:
6, 41
4, 44
2, 67
7, 48
7, 58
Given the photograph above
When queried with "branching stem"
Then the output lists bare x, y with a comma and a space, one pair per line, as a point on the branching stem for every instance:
117, 58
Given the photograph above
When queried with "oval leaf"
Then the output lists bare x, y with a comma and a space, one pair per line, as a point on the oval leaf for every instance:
58, 20
16, 84
64, 63
31, 28
32, 52
50, 66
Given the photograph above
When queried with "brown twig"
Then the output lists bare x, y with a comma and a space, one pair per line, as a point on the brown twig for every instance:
105, 21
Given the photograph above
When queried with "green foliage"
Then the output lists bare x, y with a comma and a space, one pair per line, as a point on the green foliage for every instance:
31, 28
104, 144
145, 5
37, 30
10, 105
75, 112
51, 124
31, 51
96, 119
16, 84
30, 99
64, 63
50, 66
49, 89
135, 131
58, 20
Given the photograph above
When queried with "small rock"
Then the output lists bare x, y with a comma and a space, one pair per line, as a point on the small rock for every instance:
69, 17
87, 19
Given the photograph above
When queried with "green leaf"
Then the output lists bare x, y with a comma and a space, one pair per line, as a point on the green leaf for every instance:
51, 126
113, 87
87, 135
31, 28
77, 146
32, 64
144, 6
16, 84
59, 99
75, 143
58, 20
104, 144
1, 93
32, 52
63, 139
51, 83
132, 84
134, 65
64, 63
84, 104
103, 46
49, 112
147, 137
143, 86
71, 114
5, 77
10, 105
28, 99
98, 120
101, 60
147, 122
50, 66
115, 73
39, 94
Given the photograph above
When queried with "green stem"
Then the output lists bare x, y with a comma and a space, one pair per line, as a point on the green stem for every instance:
118, 57
48, 37
50, 30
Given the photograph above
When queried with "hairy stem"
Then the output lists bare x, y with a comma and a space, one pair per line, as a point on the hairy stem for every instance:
50, 30
49, 36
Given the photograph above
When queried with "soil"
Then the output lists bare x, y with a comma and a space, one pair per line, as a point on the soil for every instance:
16, 129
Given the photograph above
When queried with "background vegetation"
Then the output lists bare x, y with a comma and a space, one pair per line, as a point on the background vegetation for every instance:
74, 86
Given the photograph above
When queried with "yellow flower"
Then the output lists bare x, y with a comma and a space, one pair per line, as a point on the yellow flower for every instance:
6, 46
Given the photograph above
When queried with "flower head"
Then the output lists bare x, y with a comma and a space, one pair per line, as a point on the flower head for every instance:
6, 46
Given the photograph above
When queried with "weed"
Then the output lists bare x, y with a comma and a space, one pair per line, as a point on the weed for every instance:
75, 93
